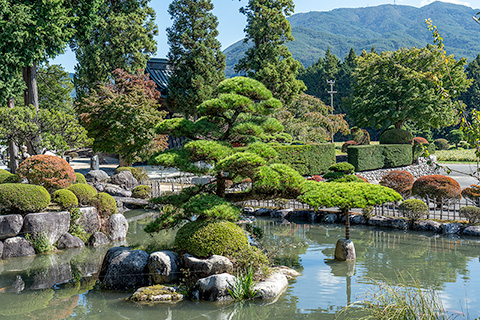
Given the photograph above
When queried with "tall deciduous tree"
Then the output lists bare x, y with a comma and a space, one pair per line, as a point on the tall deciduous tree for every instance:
121, 116
400, 86
195, 55
269, 60
122, 37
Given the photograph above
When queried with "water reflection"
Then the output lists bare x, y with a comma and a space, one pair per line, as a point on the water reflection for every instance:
61, 285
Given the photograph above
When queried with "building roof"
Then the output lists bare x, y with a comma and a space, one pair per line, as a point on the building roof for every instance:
159, 71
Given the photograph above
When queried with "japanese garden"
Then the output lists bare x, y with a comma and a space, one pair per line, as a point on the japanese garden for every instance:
269, 179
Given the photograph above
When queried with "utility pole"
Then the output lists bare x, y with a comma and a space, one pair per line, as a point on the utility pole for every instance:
331, 92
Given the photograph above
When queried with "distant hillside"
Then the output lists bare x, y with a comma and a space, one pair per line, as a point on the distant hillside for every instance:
387, 27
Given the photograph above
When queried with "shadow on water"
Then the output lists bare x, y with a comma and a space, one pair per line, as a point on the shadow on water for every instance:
63, 284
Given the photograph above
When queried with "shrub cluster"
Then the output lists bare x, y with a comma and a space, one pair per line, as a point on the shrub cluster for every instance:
472, 193
441, 144
23, 198
472, 213
398, 180
48, 171
437, 187
396, 136
343, 167
80, 178
7, 177
65, 198
84, 192
360, 136
142, 192
105, 204
413, 209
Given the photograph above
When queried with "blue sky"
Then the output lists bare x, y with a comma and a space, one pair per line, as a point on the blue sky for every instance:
232, 23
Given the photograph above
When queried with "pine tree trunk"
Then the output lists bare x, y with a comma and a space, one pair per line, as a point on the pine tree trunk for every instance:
221, 186
30, 96
12, 147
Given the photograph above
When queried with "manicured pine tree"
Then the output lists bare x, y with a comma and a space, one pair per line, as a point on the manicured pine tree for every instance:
195, 55
269, 60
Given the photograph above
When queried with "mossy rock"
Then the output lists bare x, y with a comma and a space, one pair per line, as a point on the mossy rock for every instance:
23, 198
66, 199
157, 293
142, 192
84, 192
80, 178
105, 204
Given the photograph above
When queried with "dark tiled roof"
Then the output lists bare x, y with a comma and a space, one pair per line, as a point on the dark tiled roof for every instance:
159, 72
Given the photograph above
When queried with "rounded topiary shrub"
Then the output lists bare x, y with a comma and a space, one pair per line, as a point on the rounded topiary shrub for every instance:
51, 172
471, 213
343, 167
472, 193
419, 140
66, 199
84, 192
413, 209
398, 180
203, 238
396, 136
7, 177
80, 178
441, 144
23, 198
142, 192
105, 204
437, 187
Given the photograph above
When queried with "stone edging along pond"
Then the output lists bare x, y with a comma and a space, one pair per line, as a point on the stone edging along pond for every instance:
449, 228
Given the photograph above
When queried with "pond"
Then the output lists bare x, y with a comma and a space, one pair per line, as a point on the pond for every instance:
62, 285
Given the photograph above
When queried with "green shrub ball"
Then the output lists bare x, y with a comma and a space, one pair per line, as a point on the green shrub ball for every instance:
396, 136
413, 209
343, 167
472, 213
441, 144
23, 198
142, 192
7, 177
105, 203
80, 178
84, 192
66, 199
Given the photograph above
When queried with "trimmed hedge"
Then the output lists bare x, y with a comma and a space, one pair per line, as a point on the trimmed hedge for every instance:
7, 177
396, 136
105, 204
66, 199
84, 192
23, 198
372, 157
80, 178
307, 159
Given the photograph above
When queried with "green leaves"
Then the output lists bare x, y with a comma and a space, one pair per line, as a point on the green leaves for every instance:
278, 181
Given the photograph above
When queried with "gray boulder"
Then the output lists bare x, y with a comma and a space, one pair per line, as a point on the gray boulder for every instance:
164, 267
96, 176
51, 224
472, 231
117, 227
263, 212
10, 225
380, 221
281, 214
116, 191
125, 180
98, 239
329, 218
123, 269
17, 247
202, 268
248, 210
427, 225
68, 241
214, 288
89, 220
358, 219
271, 287
452, 228
401, 224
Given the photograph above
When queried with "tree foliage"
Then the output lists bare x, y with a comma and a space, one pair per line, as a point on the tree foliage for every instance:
54, 88
121, 116
122, 37
269, 60
400, 86
195, 55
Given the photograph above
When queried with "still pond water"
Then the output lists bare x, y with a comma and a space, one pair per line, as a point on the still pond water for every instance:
63, 285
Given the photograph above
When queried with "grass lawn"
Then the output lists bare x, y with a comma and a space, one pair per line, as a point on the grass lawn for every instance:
456, 155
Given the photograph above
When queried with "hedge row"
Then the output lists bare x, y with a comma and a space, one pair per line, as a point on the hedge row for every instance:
372, 157
307, 159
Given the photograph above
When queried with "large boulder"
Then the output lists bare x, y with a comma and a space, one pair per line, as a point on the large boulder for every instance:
164, 267
117, 191
427, 225
330, 218
96, 176
380, 221
51, 224
472, 231
117, 227
89, 220
17, 247
400, 223
271, 287
452, 228
123, 269
214, 288
124, 179
203, 268
98, 239
68, 241
10, 225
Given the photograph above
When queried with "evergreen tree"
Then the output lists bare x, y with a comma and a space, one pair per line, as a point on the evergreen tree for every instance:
54, 88
122, 37
344, 84
472, 96
269, 60
195, 55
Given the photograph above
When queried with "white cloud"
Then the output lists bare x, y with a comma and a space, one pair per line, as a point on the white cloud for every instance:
463, 3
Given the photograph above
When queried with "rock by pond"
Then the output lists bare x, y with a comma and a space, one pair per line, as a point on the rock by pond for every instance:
17, 247
206, 267
157, 293
214, 288
10, 225
164, 267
